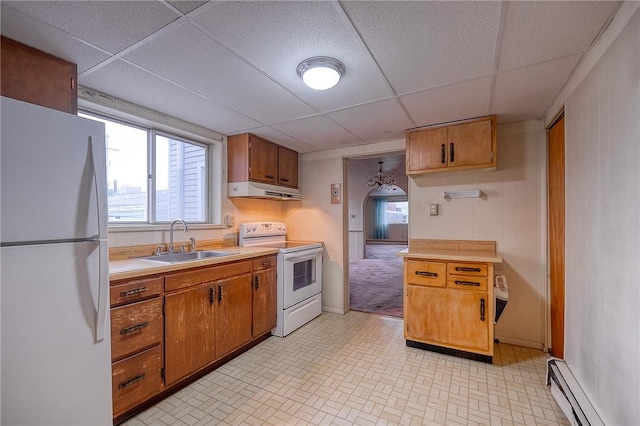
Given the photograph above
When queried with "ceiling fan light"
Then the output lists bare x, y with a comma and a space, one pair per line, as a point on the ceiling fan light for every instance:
321, 72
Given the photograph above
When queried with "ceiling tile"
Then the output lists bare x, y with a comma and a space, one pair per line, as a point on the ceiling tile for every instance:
186, 6
319, 132
109, 25
537, 31
280, 138
201, 64
423, 44
376, 122
525, 93
121, 79
277, 36
448, 103
42, 36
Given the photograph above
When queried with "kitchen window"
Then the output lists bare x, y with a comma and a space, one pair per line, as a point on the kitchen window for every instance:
153, 176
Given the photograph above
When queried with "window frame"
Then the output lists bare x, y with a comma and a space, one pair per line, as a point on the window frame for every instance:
213, 165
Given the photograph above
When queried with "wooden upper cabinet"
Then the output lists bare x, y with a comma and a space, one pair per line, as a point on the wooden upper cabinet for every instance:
470, 144
33, 76
263, 164
252, 158
287, 167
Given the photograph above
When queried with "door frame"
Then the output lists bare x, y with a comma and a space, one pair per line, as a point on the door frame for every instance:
556, 221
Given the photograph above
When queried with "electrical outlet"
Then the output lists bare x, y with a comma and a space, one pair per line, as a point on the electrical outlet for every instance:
229, 220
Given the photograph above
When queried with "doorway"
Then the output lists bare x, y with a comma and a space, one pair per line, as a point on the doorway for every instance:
378, 229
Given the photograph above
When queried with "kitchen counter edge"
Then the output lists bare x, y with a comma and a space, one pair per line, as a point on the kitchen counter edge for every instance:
135, 267
451, 255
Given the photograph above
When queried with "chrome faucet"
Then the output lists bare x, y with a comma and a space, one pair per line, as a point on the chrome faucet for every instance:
184, 225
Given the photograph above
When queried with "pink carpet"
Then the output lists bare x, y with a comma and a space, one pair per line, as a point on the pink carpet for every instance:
375, 283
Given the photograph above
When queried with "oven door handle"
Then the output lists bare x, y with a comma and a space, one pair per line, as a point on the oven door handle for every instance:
301, 255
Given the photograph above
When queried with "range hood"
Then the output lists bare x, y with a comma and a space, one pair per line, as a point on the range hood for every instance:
261, 190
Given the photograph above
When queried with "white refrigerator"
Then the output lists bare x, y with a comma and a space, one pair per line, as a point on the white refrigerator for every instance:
55, 345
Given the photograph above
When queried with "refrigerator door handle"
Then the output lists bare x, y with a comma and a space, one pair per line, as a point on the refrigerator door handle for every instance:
103, 286
100, 178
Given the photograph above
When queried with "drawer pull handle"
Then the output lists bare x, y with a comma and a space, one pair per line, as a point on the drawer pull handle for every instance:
212, 295
481, 309
469, 283
427, 273
131, 381
284, 179
133, 328
443, 155
133, 292
266, 263
220, 295
269, 176
452, 153
257, 285
467, 269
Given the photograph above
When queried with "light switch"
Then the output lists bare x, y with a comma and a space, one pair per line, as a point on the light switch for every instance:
433, 209
335, 193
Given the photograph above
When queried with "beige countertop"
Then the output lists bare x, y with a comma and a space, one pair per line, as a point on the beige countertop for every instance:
136, 267
453, 255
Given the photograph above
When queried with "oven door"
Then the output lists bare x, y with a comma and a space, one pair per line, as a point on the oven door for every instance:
301, 275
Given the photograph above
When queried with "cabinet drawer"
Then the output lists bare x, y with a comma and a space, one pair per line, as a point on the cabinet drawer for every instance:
469, 269
265, 263
190, 278
135, 379
467, 283
135, 326
135, 291
432, 274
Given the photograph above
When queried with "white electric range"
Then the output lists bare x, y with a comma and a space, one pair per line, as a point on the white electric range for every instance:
299, 273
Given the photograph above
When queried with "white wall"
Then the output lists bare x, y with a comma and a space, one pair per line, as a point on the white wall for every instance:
512, 214
316, 219
602, 329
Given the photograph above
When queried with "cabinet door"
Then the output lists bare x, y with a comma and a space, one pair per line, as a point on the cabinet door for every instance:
264, 301
425, 313
469, 319
426, 150
189, 331
233, 313
470, 144
287, 167
263, 160
38, 78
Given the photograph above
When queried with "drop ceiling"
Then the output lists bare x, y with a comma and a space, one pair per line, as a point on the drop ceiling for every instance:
231, 66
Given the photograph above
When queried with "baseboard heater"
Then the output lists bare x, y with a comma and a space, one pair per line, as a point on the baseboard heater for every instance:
569, 395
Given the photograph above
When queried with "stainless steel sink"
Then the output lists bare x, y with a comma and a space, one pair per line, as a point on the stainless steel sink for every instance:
188, 256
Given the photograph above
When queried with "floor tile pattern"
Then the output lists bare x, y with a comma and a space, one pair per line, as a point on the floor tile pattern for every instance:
355, 369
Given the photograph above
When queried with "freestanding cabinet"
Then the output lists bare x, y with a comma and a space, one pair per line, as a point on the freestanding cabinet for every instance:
448, 297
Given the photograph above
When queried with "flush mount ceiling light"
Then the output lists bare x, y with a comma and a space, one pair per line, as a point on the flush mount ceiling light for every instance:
321, 72
379, 180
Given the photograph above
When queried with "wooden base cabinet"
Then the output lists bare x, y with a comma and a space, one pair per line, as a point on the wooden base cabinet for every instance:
136, 342
233, 313
169, 330
264, 295
449, 306
189, 331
